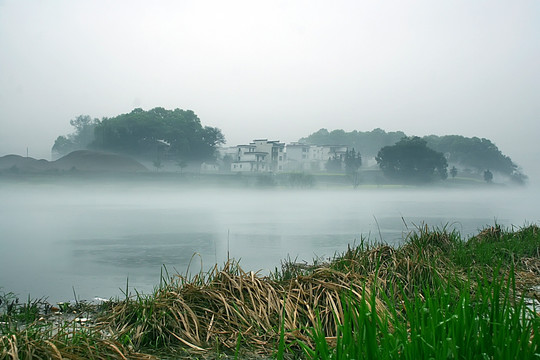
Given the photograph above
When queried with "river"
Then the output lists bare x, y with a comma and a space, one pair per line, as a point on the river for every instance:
88, 241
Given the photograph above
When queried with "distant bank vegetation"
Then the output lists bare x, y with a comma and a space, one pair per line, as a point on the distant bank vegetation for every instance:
177, 136
155, 134
472, 154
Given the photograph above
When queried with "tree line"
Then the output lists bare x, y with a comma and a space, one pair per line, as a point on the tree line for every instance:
472, 153
367, 143
160, 134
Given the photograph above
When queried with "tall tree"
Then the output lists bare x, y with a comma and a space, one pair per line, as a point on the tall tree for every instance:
353, 161
173, 134
411, 160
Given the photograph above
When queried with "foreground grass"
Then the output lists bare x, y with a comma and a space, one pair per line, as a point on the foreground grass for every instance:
436, 296
492, 324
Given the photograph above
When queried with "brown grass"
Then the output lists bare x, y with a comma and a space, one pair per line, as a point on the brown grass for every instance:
220, 309
230, 304
27, 345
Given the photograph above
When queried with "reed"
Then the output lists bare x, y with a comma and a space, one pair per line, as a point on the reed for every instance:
487, 321
67, 341
435, 296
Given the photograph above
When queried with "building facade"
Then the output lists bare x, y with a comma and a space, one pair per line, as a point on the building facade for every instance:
260, 155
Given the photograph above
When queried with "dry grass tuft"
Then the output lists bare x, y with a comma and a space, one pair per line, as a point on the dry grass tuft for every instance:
35, 342
223, 307
231, 304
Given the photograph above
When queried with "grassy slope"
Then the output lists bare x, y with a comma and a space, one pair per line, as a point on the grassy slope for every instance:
435, 296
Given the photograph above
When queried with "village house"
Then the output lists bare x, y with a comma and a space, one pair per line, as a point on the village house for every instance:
260, 155
304, 157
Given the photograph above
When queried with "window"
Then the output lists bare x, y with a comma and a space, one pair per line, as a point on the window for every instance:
280, 158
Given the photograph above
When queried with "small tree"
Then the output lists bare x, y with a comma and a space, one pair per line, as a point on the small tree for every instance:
488, 176
453, 172
81, 138
411, 160
353, 161
226, 163
519, 178
181, 164
157, 164
334, 163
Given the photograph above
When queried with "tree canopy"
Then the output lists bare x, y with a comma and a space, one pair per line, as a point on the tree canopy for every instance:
154, 134
353, 161
473, 152
411, 160
80, 139
367, 143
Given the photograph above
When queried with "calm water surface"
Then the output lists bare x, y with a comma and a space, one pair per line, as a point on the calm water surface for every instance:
92, 240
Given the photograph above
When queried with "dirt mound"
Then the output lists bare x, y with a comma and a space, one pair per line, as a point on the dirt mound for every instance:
19, 163
82, 160
86, 160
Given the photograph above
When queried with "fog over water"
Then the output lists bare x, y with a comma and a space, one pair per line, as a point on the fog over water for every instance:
93, 238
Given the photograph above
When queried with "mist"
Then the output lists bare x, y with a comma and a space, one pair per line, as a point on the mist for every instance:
96, 238
276, 70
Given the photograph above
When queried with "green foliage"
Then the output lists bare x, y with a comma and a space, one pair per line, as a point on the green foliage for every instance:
174, 134
367, 143
411, 160
473, 152
488, 176
13, 311
157, 164
453, 172
266, 180
495, 244
301, 180
436, 296
518, 178
353, 161
488, 321
80, 139
334, 164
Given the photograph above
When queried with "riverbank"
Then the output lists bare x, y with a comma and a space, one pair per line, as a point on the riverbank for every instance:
303, 310
369, 180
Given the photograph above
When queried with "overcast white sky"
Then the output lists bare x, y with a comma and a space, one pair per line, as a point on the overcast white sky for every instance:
274, 69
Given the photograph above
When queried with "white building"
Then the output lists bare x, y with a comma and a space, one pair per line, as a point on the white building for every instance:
304, 157
260, 155
298, 157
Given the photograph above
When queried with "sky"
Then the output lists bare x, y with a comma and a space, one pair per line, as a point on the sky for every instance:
275, 69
